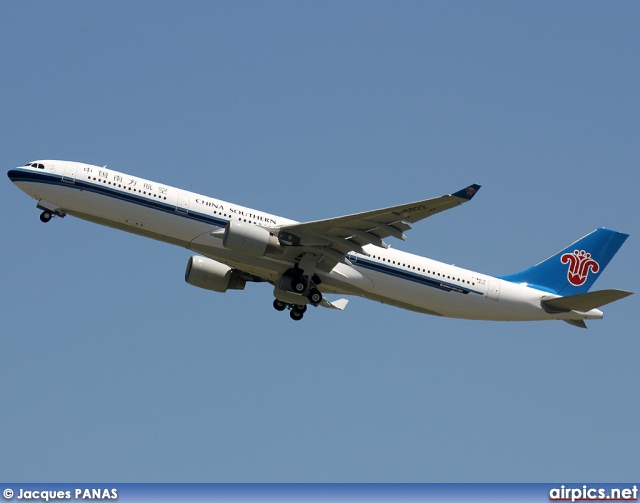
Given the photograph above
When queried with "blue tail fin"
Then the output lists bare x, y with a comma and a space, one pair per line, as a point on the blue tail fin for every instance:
574, 269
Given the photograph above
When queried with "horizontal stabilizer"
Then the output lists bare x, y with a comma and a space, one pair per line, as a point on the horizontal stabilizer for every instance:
583, 302
339, 304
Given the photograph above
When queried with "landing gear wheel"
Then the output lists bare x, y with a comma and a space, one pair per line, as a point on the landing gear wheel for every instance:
315, 297
299, 285
295, 315
279, 305
300, 309
45, 216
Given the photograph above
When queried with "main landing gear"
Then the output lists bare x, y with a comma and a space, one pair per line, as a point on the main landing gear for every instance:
296, 311
294, 281
295, 291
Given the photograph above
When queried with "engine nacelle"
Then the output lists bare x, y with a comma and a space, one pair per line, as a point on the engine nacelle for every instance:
250, 239
212, 275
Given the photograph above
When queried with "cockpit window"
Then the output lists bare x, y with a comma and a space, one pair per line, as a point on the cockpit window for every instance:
35, 165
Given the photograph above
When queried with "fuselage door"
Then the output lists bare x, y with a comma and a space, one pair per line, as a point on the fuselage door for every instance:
69, 173
493, 291
183, 203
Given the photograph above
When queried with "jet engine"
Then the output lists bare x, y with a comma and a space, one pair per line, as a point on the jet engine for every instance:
212, 275
250, 239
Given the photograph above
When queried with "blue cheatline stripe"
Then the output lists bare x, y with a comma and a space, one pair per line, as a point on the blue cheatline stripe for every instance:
48, 179
410, 276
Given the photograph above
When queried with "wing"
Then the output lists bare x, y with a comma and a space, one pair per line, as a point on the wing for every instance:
336, 237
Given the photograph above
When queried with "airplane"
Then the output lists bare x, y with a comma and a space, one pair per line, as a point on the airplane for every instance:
306, 261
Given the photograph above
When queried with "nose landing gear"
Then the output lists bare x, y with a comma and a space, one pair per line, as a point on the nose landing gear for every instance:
49, 210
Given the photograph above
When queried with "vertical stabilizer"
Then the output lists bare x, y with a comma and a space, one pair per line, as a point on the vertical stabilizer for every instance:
574, 269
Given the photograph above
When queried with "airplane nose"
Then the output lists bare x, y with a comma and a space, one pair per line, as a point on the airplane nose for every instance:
13, 174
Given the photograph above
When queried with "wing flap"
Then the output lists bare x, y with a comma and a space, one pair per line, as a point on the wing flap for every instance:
393, 229
346, 244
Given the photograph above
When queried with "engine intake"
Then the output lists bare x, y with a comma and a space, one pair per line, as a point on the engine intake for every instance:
212, 275
250, 239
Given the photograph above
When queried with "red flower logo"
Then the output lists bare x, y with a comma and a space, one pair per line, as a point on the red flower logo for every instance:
579, 264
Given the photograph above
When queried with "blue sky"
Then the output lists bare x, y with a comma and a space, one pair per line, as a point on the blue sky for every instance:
114, 369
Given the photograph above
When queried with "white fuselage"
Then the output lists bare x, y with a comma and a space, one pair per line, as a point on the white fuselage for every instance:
187, 219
